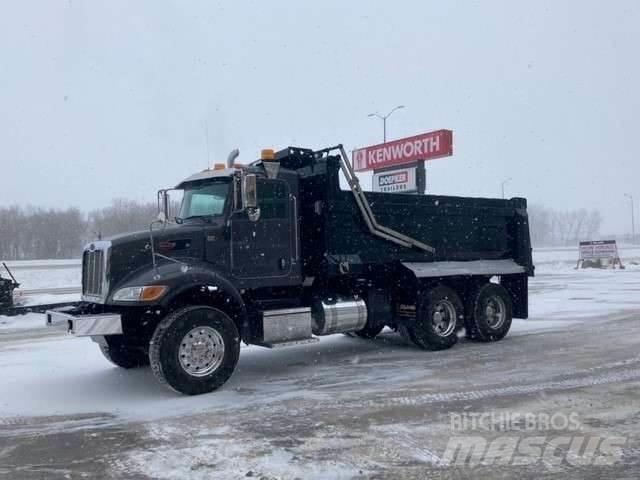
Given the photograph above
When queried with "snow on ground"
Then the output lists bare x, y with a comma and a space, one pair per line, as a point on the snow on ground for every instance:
35, 275
197, 460
559, 258
31, 264
29, 321
53, 383
45, 299
42, 277
63, 366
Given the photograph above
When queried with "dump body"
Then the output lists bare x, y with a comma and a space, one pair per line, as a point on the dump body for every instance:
458, 228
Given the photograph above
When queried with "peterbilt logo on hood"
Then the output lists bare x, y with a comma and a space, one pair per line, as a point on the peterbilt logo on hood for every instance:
170, 245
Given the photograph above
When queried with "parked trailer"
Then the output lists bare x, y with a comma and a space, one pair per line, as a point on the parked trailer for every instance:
276, 254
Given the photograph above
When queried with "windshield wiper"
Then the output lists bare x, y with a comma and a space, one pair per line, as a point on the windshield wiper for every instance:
204, 218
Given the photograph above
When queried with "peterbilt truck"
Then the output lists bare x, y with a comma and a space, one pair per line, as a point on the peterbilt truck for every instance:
275, 253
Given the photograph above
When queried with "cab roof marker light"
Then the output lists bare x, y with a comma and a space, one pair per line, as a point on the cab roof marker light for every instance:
268, 154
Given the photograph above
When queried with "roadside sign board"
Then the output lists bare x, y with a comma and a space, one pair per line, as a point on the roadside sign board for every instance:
599, 253
598, 249
426, 146
402, 180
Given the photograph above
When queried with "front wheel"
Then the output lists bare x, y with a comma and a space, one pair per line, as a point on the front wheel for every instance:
121, 354
195, 349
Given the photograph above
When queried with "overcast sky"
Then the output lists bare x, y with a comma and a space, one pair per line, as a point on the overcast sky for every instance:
112, 99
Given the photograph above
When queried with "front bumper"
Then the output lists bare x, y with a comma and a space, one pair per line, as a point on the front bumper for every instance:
84, 325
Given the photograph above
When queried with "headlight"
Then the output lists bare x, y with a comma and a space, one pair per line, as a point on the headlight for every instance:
140, 294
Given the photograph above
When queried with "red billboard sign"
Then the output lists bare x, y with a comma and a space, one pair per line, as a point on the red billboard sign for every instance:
426, 146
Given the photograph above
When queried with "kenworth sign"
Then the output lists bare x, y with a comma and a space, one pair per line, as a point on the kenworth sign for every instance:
426, 146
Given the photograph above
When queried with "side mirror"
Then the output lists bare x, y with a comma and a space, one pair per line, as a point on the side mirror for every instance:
249, 191
250, 197
163, 206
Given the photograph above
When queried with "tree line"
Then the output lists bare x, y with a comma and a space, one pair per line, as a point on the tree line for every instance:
562, 227
39, 233
42, 233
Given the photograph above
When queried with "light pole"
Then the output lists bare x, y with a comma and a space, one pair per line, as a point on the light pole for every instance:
504, 182
384, 120
633, 219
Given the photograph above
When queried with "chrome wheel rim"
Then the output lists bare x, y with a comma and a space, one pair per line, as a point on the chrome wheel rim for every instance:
201, 351
495, 312
443, 318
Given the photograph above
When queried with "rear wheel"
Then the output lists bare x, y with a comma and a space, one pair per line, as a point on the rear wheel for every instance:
438, 317
194, 350
122, 355
490, 313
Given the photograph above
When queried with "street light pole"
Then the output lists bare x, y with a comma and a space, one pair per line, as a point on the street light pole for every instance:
384, 120
633, 219
503, 184
384, 130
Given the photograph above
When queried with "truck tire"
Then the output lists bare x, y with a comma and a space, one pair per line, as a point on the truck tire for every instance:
490, 313
379, 313
122, 355
369, 331
407, 335
195, 349
439, 314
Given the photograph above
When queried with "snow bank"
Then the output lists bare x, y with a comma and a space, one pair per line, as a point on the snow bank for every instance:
22, 322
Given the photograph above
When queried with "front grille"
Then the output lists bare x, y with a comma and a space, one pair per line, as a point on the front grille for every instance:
92, 272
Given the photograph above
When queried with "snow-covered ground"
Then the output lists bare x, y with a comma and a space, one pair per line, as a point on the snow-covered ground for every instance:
559, 297
558, 258
39, 280
342, 408
42, 274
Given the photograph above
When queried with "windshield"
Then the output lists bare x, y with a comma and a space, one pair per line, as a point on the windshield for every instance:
204, 200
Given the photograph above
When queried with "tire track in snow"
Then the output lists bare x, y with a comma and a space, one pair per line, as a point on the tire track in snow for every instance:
21, 426
469, 395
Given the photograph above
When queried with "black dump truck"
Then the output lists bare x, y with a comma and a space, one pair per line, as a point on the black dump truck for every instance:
276, 253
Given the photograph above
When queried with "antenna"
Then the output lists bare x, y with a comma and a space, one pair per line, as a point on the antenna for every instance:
206, 133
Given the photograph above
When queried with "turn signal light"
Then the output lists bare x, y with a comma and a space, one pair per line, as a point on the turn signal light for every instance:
152, 292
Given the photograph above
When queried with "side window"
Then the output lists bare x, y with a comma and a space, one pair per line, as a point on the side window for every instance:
272, 199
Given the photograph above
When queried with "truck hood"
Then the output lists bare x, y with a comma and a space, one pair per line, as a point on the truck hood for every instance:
131, 252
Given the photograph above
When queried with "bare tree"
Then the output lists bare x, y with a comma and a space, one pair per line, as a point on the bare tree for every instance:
554, 227
121, 216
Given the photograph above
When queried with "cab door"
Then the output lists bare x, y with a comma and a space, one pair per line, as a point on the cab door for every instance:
263, 251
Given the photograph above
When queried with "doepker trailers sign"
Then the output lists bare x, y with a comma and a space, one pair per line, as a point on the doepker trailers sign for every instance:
396, 181
426, 146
